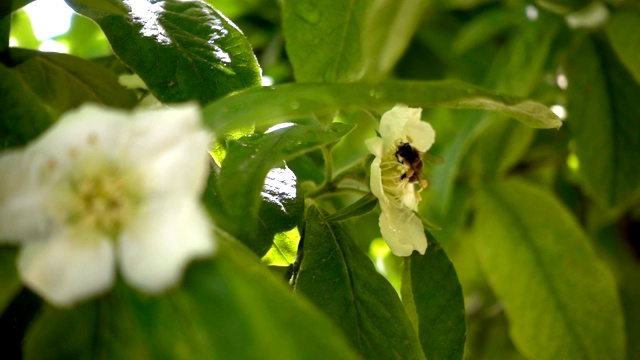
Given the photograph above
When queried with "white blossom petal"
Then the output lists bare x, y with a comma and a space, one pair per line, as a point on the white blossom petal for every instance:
409, 197
403, 123
376, 181
375, 146
100, 176
21, 199
392, 178
393, 121
88, 127
68, 267
155, 250
172, 147
421, 134
402, 230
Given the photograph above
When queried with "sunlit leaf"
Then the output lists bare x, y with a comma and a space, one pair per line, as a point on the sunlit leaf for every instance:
278, 103
603, 119
284, 249
64, 82
183, 50
23, 117
230, 307
433, 296
560, 299
341, 280
340, 41
85, 38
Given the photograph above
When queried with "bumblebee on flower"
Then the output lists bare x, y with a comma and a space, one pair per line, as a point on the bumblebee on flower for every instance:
395, 177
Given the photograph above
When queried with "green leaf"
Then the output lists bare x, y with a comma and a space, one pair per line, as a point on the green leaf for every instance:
5, 30
516, 69
183, 50
64, 82
484, 27
22, 117
343, 41
341, 280
360, 207
283, 251
626, 43
278, 103
281, 209
282, 205
499, 147
560, 299
433, 297
250, 158
7, 7
603, 113
85, 38
563, 7
22, 30
229, 307
10, 283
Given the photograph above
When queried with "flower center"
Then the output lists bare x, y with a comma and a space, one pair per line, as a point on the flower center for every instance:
395, 182
98, 193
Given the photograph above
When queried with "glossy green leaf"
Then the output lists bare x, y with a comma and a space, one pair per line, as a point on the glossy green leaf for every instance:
341, 280
64, 82
343, 41
230, 307
278, 103
250, 158
281, 202
625, 42
603, 116
560, 299
433, 296
281, 208
23, 117
10, 283
358, 208
183, 50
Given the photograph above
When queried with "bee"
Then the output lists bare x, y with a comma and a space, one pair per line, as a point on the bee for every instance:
408, 155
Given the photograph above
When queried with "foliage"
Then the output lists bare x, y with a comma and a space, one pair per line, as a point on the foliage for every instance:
532, 214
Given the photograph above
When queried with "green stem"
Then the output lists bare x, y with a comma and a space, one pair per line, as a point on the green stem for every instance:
328, 165
354, 171
323, 191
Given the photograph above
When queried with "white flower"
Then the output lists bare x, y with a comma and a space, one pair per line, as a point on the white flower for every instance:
105, 187
395, 174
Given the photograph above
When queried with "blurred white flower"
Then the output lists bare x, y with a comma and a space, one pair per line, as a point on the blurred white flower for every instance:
395, 174
105, 187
